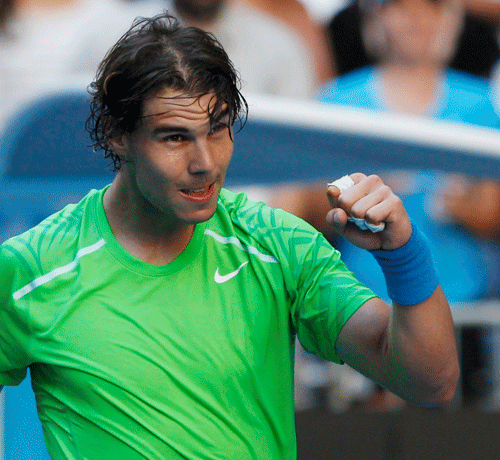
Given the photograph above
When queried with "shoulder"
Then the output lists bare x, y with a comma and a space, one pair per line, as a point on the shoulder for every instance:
466, 82
347, 85
51, 243
472, 97
248, 17
255, 214
279, 233
270, 56
255, 30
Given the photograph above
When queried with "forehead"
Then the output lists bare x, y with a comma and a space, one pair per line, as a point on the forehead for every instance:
171, 104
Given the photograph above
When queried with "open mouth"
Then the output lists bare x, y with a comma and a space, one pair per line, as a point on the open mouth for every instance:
197, 191
200, 192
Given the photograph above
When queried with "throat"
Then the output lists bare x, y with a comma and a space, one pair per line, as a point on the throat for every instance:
412, 92
161, 253
158, 249
142, 236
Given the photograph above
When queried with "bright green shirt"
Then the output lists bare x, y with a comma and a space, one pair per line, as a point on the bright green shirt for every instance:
191, 360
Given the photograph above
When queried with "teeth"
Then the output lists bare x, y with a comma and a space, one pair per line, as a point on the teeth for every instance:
197, 191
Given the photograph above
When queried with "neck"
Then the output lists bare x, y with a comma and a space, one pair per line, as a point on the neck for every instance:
410, 88
141, 229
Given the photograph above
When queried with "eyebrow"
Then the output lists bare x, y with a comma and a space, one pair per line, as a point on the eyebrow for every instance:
182, 130
170, 130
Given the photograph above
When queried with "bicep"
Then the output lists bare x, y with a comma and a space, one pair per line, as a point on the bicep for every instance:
363, 339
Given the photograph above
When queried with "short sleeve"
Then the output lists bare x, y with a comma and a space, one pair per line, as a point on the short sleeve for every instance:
321, 293
14, 334
324, 293
328, 295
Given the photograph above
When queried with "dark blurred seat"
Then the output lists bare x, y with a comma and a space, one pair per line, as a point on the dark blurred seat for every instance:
47, 138
46, 160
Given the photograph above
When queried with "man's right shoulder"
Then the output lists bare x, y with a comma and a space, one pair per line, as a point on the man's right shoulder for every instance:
51, 238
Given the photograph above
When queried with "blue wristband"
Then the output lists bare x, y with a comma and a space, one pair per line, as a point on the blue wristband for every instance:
409, 271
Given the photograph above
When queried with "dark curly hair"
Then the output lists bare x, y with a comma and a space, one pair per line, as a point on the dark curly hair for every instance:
154, 54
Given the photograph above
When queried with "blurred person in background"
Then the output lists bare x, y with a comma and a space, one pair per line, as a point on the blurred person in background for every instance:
312, 32
46, 44
473, 205
270, 57
476, 52
412, 43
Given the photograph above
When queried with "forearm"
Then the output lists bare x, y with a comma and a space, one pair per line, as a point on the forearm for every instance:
420, 333
420, 360
409, 349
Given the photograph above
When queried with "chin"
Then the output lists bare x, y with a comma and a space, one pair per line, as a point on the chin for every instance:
202, 215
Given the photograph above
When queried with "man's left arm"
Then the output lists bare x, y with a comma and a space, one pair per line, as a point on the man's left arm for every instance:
408, 348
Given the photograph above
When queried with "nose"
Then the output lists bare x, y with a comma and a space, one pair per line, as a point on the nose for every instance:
202, 158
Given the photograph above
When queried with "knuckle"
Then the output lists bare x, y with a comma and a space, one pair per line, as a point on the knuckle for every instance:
386, 191
358, 176
372, 217
396, 203
357, 211
374, 179
396, 200
344, 202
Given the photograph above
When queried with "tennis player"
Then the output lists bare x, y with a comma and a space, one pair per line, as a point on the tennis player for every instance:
158, 316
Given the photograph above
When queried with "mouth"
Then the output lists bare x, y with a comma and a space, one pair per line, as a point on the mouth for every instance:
199, 194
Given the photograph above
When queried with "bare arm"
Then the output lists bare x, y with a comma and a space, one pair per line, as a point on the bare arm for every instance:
409, 349
473, 204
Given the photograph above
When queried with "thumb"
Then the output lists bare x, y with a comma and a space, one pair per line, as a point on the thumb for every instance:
337, 219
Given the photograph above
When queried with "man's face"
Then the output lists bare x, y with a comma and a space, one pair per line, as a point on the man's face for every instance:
175, 162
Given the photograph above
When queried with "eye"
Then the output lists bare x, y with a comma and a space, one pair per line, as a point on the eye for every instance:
174, 138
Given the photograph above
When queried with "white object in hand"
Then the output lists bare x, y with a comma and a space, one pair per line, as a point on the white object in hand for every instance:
343, 184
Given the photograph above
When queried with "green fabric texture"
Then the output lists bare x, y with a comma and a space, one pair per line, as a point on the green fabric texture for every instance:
191, 360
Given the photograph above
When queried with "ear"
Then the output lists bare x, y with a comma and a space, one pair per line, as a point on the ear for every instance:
119, 145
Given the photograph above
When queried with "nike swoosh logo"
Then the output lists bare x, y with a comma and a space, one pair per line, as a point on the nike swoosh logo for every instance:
223, 278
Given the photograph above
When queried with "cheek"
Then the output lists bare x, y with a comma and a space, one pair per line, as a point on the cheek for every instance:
160, 165
226, 153
154, 178
227, 158
395, 25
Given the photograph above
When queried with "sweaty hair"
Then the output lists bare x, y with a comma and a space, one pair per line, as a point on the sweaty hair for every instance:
155, 54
